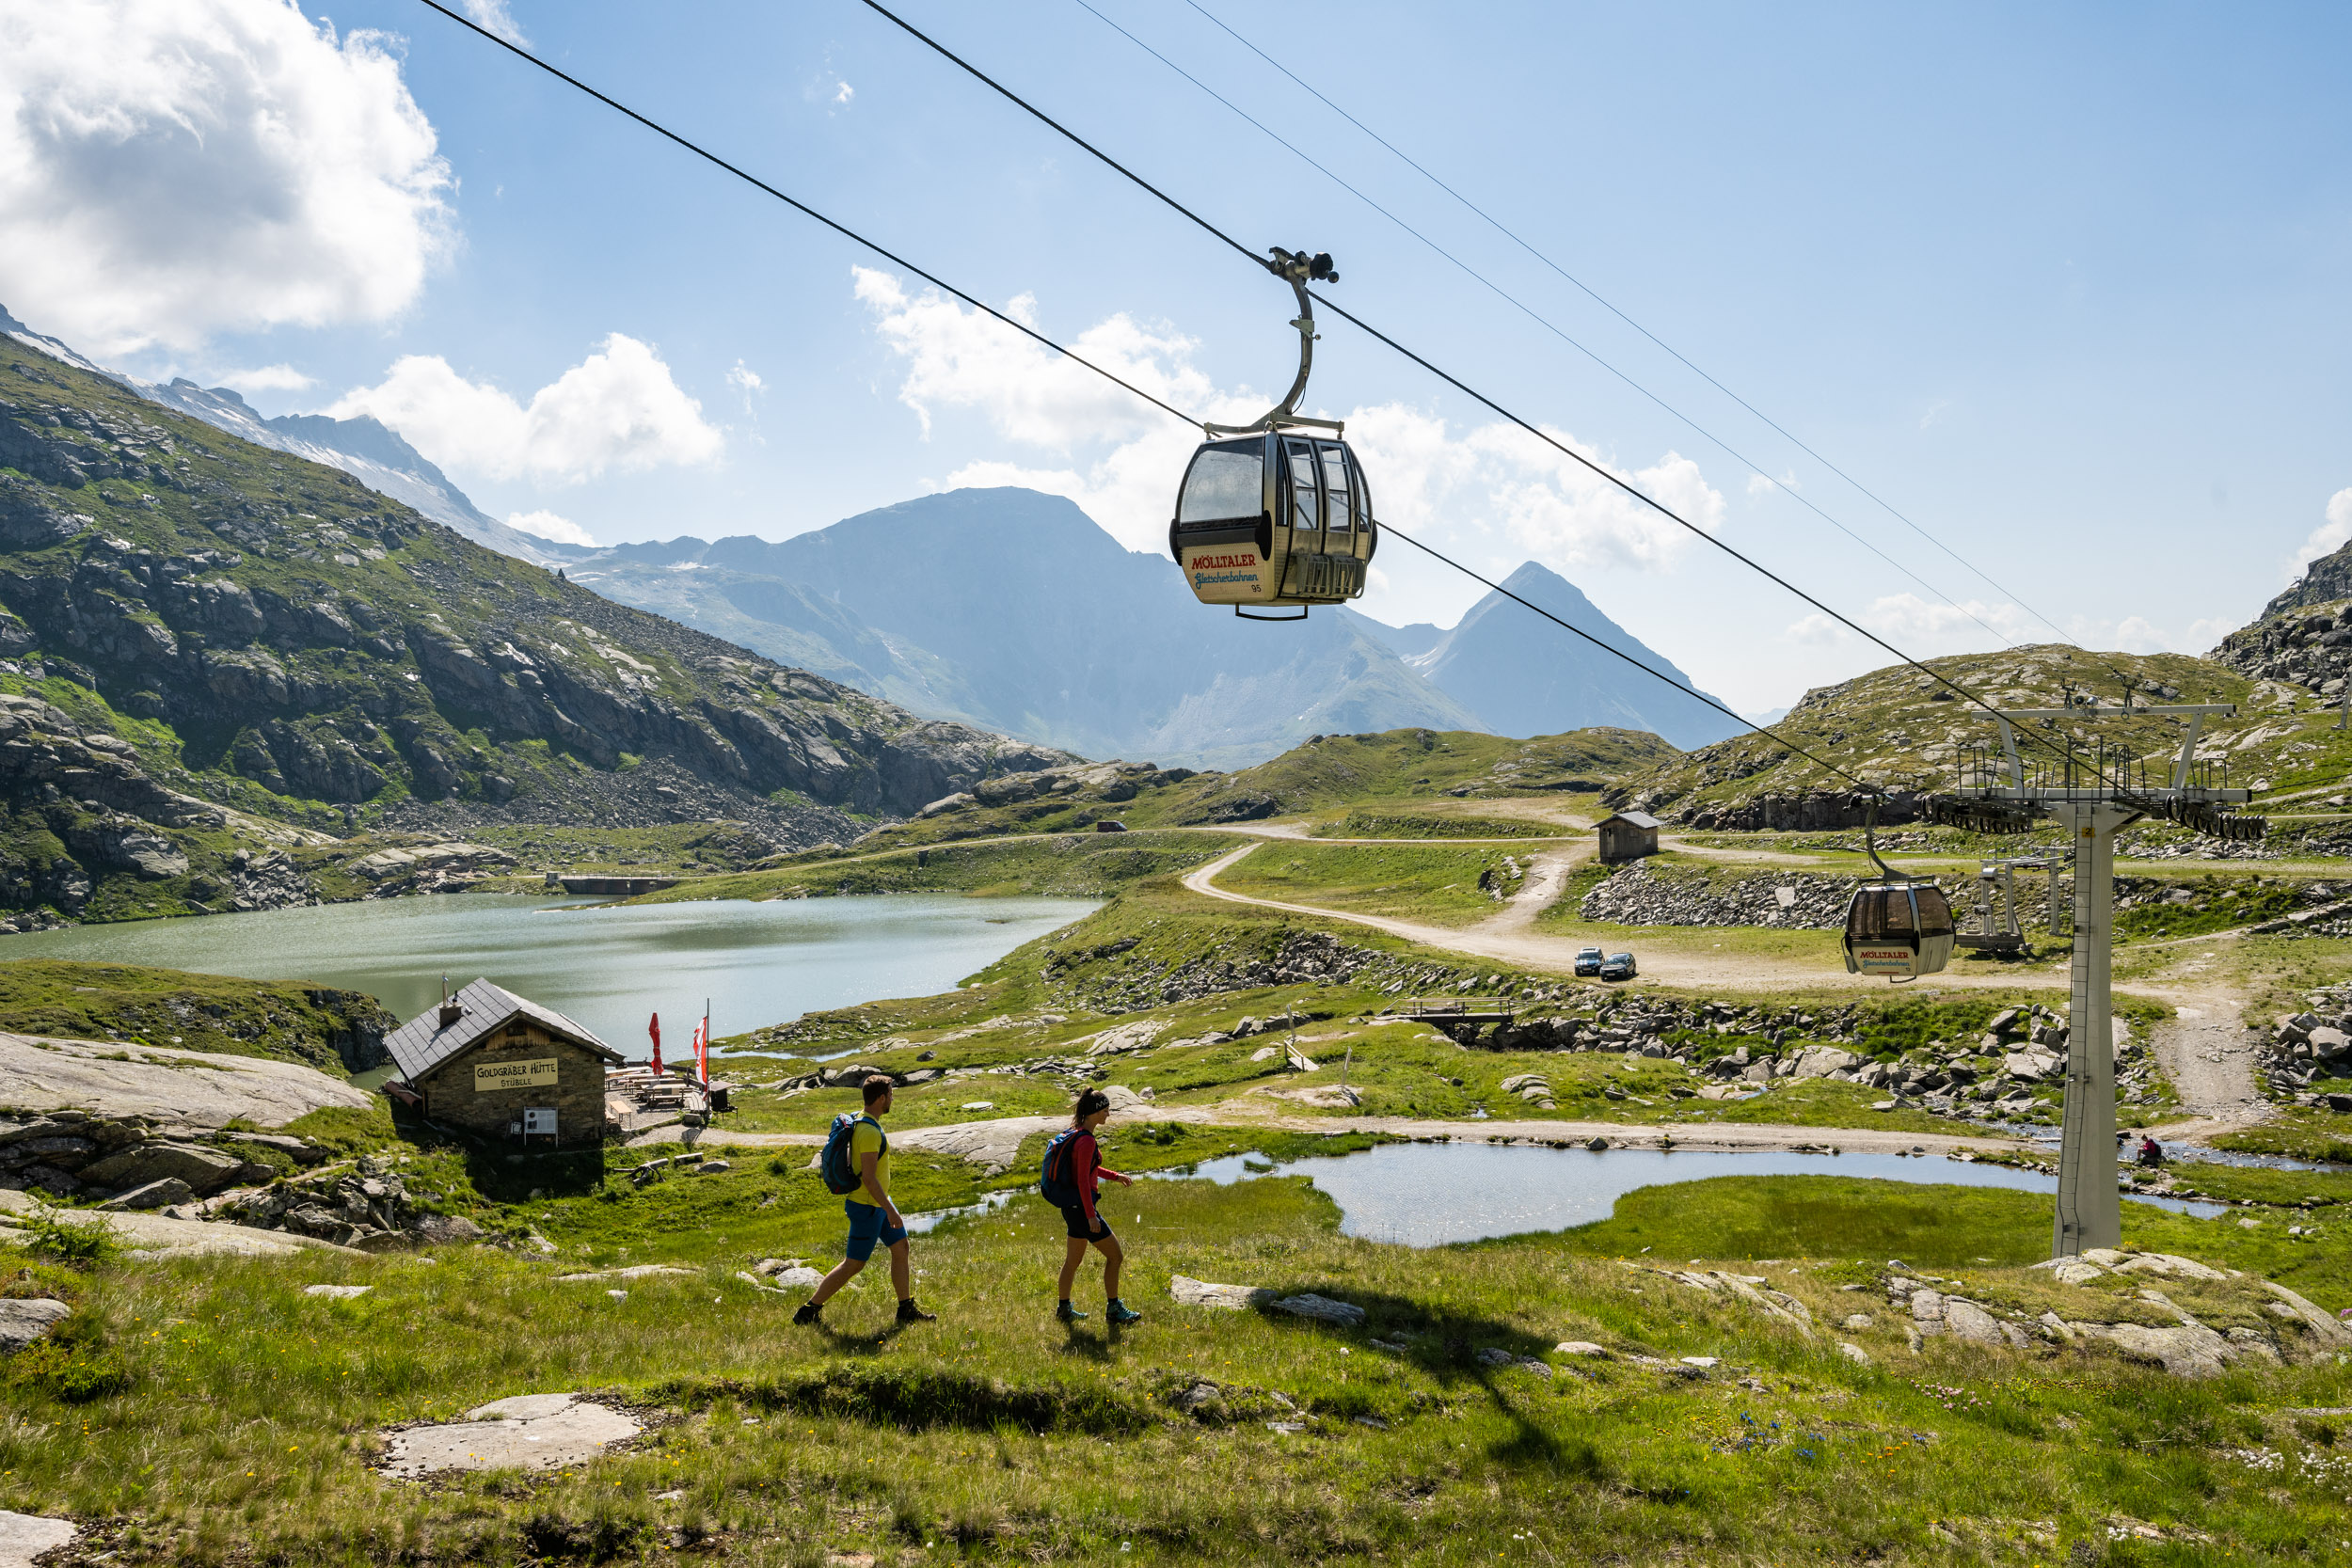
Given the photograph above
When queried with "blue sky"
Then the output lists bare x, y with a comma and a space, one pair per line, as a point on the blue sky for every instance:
2064, 285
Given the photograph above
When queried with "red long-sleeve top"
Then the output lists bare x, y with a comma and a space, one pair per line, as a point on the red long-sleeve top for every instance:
1087, 1169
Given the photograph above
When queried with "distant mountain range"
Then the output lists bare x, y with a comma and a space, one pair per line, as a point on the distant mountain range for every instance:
362, 448
1012, 609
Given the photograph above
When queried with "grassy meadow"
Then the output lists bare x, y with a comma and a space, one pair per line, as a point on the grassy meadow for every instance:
219, 1415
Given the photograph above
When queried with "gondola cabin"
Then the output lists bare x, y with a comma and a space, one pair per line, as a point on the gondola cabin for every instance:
1273, 520
1899, 929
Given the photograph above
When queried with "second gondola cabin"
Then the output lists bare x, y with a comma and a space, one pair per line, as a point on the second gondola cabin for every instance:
1274, 521
1900, 930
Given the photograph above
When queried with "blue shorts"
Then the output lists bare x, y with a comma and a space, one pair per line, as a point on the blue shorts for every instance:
870, 1223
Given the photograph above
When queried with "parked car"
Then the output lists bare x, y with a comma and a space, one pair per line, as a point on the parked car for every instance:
1619, 966
1587, 962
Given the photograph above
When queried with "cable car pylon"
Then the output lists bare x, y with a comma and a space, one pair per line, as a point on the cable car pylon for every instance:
1996, 794
1271, 516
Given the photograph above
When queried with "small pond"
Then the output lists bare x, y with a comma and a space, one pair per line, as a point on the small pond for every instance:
1428, 1194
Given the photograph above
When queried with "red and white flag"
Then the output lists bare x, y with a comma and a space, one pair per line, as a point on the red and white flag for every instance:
702, 1051
653, 1029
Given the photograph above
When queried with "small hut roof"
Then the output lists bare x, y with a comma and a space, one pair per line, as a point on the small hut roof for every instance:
422, 1044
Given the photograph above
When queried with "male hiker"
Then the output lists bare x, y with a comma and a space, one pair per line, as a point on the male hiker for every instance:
856, 1165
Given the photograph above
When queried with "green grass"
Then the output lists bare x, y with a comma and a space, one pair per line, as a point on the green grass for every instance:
2296, 1131
1433, 883
183, 1011
245, 1415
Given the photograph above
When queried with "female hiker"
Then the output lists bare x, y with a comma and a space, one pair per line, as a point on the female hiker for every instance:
1073, 1166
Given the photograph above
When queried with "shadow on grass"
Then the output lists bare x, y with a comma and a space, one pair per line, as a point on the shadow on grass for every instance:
1446, 1344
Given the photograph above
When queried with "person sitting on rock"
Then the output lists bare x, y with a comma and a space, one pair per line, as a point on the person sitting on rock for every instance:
2151, 1152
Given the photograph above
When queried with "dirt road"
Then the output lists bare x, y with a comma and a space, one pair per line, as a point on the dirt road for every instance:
1555, 952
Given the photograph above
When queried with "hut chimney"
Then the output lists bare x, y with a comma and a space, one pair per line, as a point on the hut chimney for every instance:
451, 1011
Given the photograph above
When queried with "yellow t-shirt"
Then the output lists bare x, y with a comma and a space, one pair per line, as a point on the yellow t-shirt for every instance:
866, 1138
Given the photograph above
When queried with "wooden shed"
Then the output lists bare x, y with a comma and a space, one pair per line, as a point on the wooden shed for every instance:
1627, 835
495, 1063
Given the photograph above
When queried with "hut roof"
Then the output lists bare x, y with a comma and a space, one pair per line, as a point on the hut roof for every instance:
422, 1044
1639, 818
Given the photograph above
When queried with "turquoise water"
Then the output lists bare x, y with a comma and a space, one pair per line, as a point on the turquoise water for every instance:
608, 968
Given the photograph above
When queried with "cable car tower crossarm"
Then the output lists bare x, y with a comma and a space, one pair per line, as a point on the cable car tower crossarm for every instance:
2092, 808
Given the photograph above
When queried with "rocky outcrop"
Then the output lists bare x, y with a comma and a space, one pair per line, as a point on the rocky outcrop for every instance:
322, 652
365, 1205
2308, 1056
123, 1085
1640, 895
1813, 810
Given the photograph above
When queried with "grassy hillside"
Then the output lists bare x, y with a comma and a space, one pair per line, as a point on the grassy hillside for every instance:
195, 631
332, 1030
209, 1410
1394, 768
1898, 728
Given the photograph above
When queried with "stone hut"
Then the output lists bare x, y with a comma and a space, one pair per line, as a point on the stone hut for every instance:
496, 1064
1628, 836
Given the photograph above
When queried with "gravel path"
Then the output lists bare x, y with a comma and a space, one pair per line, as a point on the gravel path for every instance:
2209, 1057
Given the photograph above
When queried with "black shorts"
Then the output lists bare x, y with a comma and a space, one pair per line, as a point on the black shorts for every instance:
1074, 1216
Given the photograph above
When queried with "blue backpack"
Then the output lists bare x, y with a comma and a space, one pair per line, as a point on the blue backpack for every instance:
1053, 1179
841, 1177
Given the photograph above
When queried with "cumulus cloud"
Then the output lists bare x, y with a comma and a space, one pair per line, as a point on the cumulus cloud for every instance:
1118, 456
1926, 629
546, 525
493, 16
2328, 536
265, 378
174, 169
618, 408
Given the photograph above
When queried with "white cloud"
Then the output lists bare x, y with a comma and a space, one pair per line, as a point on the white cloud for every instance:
493, 16
2328, 536
843, 92
265, 378
618, 408
1760, 484
174, 169
1495, 480
746, 380
546, 525
1925, 629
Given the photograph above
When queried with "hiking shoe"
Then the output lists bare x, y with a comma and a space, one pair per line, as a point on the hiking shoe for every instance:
808, 1313
1067, 1313
1119, 1312
909, 1313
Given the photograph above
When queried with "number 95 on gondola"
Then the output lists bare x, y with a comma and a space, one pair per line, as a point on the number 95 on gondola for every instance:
1274, 521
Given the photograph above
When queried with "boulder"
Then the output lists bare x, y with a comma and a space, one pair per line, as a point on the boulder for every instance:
1323, 1309
155, 1194
27, 1536
21, 1322
205, 1170
1580, 1347
337, 1292
1853, 1354
538, 1431
2328, 1044
1201, 1292
2166, 1264
2186, 1350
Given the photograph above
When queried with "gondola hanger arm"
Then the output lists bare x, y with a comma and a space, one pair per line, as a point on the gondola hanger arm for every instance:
1297, 269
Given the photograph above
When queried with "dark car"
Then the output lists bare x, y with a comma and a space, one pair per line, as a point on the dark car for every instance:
1619, 966
1587, 961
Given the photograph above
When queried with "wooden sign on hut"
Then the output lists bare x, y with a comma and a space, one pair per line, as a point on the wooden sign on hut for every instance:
495, 1063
